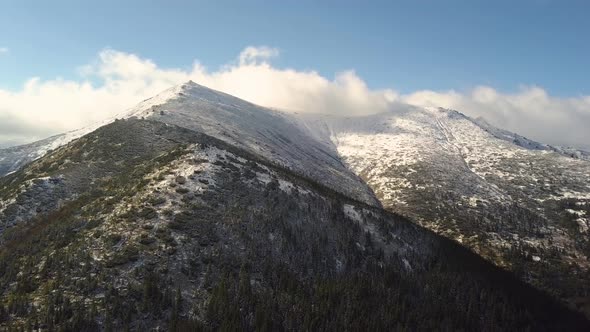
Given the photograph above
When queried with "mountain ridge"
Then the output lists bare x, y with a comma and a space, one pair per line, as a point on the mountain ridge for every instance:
524, 208
12, 158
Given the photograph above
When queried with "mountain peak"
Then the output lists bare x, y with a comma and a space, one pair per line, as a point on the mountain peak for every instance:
196, 91
190, 84
183, 89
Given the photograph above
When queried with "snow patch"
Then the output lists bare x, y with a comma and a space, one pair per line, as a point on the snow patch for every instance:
575, 212
583, 224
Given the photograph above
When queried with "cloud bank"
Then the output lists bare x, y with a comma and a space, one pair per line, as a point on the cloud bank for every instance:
44, 107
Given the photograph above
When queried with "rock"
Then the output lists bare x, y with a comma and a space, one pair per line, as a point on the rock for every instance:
157, 201
180, 179
148, 213
182, 190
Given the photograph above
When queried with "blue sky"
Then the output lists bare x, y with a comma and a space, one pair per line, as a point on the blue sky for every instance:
521, 64
404, 45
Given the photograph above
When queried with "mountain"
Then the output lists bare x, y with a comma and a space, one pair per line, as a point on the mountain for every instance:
259, 130
196, 210
516, 202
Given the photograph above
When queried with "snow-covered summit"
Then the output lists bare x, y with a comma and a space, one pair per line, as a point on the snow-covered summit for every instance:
267, 133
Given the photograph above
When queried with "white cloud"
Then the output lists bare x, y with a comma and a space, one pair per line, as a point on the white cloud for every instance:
251, 55
44, 107
4, 50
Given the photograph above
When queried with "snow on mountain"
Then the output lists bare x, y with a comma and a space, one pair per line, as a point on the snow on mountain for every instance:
270, 134
388, 149
522, 204
503, 197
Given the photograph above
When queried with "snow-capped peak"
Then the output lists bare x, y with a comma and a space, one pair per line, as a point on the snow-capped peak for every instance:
267, 133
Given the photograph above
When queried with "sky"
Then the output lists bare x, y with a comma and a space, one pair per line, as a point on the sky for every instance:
523, 65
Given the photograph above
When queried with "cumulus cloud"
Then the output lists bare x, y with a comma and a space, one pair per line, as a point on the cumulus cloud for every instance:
44, 107
251, 55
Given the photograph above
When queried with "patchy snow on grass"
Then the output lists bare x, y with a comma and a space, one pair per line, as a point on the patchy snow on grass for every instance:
286, 186
263, 177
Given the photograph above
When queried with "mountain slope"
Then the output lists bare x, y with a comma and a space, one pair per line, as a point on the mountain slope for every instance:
173, 229
523, 208
270, 134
